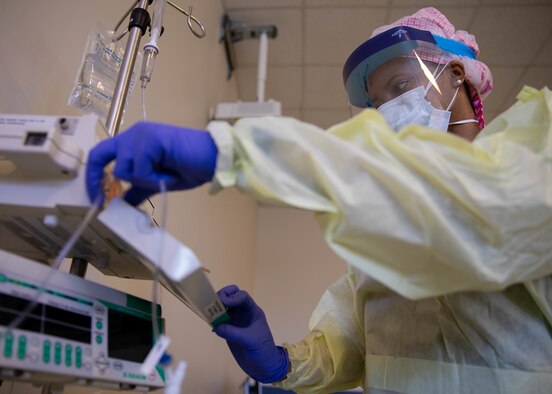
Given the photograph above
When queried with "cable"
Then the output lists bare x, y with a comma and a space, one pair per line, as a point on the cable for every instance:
156, 272
57, 262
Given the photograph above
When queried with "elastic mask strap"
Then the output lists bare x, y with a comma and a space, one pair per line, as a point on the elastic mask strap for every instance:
464, 121
459, 121
453, 98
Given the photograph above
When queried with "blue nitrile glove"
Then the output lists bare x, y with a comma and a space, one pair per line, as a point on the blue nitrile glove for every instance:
149, 152
249, 337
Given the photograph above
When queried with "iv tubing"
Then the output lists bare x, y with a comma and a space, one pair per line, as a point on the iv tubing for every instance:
151, 49
155, 284
157, 23
144, 105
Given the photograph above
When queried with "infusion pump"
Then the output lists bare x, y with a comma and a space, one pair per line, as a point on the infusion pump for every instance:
79, 332
43, 200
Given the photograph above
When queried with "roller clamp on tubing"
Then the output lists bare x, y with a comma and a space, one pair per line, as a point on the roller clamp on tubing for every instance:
139, 17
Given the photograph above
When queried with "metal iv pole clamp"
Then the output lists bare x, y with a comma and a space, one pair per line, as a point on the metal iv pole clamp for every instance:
190, 20
137, 27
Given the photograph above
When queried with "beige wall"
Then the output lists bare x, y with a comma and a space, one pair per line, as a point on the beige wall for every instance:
294, 267
41, 43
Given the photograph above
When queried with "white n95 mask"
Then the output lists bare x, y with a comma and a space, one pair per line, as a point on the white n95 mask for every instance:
413, 108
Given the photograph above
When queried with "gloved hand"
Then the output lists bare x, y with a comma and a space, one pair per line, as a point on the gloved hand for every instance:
249, 337
147, 153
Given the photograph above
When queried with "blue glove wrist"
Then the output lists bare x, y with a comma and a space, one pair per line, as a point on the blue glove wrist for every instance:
281, 371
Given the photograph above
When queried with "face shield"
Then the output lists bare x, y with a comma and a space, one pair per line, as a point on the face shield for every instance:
405, 74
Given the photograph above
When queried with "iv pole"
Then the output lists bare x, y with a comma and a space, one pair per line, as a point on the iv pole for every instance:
138, 23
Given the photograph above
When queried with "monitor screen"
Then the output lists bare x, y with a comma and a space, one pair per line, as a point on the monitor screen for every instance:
46, 319
129, 338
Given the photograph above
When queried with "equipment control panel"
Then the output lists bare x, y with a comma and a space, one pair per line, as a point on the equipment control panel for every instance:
76, 331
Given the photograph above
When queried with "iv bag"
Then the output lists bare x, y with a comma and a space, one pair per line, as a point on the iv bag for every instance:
98, 72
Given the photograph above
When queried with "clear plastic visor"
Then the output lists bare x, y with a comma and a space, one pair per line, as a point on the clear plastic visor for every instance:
405, 73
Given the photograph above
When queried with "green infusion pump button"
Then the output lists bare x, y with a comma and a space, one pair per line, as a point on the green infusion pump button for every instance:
68, 355
57, 353
78, 357
8, 346
99, 325
22, 348
99, 339
46, 352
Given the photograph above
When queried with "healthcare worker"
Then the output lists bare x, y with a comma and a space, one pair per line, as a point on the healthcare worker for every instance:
448, 241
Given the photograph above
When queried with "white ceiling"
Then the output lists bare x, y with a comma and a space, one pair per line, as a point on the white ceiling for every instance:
316, 36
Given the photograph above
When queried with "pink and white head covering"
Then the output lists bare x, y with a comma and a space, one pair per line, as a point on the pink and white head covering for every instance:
478, 75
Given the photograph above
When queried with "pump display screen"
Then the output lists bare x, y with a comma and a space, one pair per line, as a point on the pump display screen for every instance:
46, 319
129, 338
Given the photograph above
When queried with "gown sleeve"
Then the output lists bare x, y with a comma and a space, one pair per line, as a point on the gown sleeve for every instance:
424, 212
